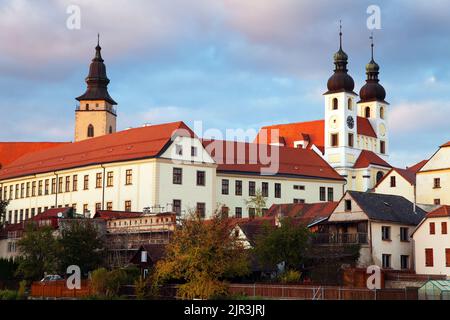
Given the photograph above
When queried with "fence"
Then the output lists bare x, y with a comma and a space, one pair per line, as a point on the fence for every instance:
58, 289
299, 292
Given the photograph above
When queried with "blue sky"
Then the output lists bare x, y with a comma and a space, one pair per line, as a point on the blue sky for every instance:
231, 63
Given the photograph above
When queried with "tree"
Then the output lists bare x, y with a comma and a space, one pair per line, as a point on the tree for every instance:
81, 244
38, 247
3, 205
288, 243
258, 202
202, 254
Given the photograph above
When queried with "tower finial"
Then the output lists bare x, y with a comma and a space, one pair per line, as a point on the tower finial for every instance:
98, 39
371, 42
340, 34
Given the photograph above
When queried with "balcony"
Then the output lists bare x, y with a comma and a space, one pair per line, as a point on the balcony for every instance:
110, 109
340, 238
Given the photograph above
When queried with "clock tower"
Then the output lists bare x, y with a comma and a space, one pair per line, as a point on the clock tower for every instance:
341, 116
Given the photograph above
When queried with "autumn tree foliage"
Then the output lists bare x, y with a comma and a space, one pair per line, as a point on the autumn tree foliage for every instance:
202, 255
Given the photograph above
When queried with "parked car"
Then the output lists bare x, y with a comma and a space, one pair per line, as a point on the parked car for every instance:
51, 277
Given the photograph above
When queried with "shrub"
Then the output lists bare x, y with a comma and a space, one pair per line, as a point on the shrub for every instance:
142, 289
99, 279
107, 283
290, 276
21, 293
8, 295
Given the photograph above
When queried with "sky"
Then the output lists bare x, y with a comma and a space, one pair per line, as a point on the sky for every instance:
229, 63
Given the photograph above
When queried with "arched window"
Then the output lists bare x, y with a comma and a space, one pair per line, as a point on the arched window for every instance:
379, 176
367, 112
110, 130
90, 131
335, 104
87, 106
350, 104
382, 113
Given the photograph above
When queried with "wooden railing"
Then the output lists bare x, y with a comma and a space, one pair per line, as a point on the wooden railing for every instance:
340, 238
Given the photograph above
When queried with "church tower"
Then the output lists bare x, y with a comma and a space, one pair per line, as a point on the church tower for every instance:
372, 105
341, 115
96, 114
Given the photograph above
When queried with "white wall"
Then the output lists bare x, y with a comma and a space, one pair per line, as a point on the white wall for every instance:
402, 188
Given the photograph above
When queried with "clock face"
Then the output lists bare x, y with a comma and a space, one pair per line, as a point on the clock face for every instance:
350, 122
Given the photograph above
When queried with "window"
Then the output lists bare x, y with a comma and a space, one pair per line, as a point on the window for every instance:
350, 104
109, 206
429, 260
201, 178
238, 212
75, 183
334, 140
27, 213
68, 184
432, 228
367, 112
110, 179
404, 234
251, 188
437, 202
39, 188
348, 205
251, 212
299, 201
60, 184
330, 194
128, 205
379, 176
85, 209
176, 204
386, 233
177, 176
278, 190
53, 185
225, 186
382, 147
21, 215
386, 261
33, 212
335, 104
238, 188
98, 180
436, 183
98, 206
11, 190
27, 192
404, 262
178, 150
201, 209
382, 113
350, 140
129, 177
86, 182
265, 189
447, 258
22, 190
90, 130
299, 187
322, 194
193, 151
393, 182
444, 227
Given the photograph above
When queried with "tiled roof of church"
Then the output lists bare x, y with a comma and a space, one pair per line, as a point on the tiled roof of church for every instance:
367, 158
138, 143
415, 168
314, 131
11, 151
286, 161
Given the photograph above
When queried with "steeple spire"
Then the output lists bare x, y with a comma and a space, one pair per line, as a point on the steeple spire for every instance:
371, 43
340, 34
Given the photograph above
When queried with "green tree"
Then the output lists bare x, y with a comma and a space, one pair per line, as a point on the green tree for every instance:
38, 247
202, 254
258, 202
288, 243
80, 243
3, 205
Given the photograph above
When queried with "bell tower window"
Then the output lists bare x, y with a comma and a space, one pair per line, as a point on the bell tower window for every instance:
110, 130
382, 113
335, 104
87, 106
382, 147
334, 140
350, 104
367, 112
90, 131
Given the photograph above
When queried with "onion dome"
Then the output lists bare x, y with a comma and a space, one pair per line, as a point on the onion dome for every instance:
97, 81
372, 90
340, 81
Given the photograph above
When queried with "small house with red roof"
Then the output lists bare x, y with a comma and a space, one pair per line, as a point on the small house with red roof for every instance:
432, 243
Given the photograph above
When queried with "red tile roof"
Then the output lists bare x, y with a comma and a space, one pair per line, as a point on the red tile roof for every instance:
447, 144
139, 143
51, 214
312, 131
304, 213
289, 162
415, 168
112, 215
367, 158
442, 211
365, 128
11, 151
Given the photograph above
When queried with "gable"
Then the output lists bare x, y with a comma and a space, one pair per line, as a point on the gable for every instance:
440, 160
340, 214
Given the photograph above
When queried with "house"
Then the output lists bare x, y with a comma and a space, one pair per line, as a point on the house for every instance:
432, 243
148, 255
433, 179
380, 224
400, 182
